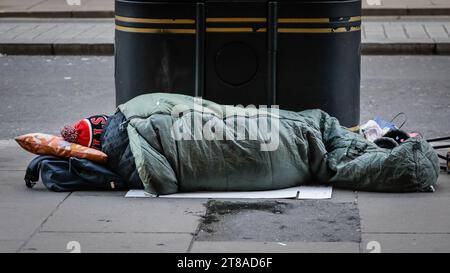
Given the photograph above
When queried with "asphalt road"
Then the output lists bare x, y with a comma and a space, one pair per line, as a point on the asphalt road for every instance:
419, 86
42, 93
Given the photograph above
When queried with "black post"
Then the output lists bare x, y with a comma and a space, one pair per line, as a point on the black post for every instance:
200, 50
272, 31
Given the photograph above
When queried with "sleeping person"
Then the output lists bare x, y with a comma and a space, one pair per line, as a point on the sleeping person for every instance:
168, 143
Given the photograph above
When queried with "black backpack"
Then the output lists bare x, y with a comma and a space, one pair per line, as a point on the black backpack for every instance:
72, 174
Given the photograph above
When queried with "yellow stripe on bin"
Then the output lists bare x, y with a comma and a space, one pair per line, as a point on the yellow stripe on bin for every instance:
354, 129
317, 20
156, 30
235, 29
318, 30
230, 20
304, 20
236, 20
243, 29
354, 19
154, 21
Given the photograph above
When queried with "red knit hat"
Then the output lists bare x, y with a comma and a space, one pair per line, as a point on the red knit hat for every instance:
85, 132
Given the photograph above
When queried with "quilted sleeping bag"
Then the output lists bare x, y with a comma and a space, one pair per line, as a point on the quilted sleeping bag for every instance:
178, 143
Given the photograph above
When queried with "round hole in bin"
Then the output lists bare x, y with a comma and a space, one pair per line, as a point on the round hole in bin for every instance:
236, 63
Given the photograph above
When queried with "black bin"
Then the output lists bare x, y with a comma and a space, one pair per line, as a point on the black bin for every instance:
295, 54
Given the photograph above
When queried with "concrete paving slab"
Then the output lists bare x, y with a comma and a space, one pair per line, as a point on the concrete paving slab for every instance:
406, 243
13, 157
443, 186
23, 210
399, 213
20, 221
13, 189
58, 5
9, 246
343, 196
108, 242
391, 4
395, 31
281, 220
18, 30
436, 31
18, 5
119, 214
5, 27
413, 42
32, 33
283, 247
54, 33
415, 31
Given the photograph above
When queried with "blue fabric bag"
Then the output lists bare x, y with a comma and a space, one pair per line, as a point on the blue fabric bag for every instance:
73, 174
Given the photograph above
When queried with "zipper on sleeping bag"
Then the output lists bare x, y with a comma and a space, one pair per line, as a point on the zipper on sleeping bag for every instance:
123, 125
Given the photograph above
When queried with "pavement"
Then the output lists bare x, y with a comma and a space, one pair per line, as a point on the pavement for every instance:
57, 8
380, 35
41, 93
86, 27
105, 8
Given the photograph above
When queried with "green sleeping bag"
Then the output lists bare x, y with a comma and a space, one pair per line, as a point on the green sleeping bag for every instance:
183, 144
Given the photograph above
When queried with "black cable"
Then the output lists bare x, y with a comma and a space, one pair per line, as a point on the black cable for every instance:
441, 146
438, 139
396, 116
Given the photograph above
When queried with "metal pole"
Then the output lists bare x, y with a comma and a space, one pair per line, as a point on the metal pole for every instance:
200, 50
272, 47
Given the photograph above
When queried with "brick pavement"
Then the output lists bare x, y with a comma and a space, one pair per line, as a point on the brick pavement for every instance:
105, 8
402, 35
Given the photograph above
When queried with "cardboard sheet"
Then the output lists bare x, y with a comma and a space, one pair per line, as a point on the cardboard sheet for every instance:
301, 192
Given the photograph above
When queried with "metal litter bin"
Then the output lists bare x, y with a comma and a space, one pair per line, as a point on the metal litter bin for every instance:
295, 54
